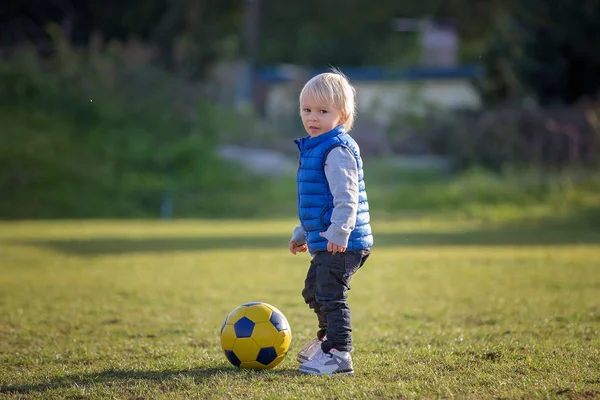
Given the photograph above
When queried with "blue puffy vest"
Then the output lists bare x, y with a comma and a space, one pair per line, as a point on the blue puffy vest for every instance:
315, 201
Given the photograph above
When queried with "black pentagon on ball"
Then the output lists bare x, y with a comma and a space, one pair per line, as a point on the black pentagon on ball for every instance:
279, 321
244, 327
252, 303
223, 326
232, 358
266, 355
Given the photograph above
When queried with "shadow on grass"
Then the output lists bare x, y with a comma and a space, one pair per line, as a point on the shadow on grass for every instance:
129, 376
543, 233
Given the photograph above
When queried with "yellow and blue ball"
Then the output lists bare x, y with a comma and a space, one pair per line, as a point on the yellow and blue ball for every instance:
256, 336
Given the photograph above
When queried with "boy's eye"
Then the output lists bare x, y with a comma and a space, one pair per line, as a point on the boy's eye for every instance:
323, 111
306, 110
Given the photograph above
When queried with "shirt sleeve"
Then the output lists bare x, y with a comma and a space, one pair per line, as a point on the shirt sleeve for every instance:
299, 235
342, 175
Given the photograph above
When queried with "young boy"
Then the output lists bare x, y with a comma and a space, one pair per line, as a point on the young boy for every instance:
334, 218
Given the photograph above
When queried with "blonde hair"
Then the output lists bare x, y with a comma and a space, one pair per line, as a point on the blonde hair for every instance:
335, 89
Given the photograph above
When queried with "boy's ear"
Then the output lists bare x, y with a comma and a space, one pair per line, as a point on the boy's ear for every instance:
343, 119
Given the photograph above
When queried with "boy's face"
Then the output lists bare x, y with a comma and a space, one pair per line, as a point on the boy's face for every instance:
319, 118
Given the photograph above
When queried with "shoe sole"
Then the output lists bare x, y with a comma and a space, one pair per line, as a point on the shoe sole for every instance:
350, 372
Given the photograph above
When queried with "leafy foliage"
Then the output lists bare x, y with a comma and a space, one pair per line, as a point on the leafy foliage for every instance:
192, 34
93, 134
545, 48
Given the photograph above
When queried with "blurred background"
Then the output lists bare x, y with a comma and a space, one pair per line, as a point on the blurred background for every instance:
188, 108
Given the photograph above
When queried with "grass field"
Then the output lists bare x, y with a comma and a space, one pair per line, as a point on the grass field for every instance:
443, 309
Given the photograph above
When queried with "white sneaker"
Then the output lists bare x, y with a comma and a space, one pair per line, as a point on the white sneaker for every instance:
309, 350
334, 362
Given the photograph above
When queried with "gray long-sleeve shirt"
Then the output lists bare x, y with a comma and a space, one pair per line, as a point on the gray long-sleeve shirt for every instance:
342, 176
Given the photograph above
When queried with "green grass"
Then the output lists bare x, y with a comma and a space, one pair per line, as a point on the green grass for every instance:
443, 309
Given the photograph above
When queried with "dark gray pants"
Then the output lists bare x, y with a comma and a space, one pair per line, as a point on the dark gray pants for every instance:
325, 291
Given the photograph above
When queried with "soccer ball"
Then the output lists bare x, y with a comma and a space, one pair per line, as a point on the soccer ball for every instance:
255, 336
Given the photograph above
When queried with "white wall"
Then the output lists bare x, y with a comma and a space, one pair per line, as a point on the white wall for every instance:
382, 99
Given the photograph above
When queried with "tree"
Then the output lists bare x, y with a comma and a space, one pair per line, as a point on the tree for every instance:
544, 48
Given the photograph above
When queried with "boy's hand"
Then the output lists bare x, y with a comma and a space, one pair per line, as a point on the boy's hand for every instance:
297, 248
332, 247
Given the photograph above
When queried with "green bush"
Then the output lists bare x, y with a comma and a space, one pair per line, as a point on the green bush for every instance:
510, 194
90, 134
